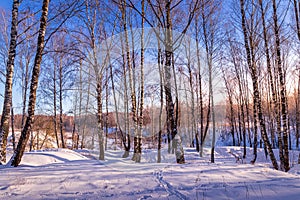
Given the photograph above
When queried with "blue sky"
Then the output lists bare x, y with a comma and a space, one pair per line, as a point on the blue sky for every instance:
7, 4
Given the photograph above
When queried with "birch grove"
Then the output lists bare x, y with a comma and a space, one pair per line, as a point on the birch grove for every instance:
131, 75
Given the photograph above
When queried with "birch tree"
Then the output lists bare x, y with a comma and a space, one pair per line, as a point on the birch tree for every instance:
165, 10
282, 86
5, 117
141, 106
16, 158
91, 22
209, 16
200, 92
248, 45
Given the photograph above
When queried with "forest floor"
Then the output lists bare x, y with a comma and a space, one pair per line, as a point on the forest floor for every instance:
66, 174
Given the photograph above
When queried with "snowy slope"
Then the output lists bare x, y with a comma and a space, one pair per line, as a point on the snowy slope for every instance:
65, 174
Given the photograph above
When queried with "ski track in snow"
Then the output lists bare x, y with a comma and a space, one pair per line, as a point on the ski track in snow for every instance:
68, 175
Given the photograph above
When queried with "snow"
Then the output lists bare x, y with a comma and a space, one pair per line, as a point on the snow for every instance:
66, 174
40, 158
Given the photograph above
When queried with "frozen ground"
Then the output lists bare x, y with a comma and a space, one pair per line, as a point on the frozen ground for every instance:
65, 174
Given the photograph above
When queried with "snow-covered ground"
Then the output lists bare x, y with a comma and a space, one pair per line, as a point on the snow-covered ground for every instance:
65, 174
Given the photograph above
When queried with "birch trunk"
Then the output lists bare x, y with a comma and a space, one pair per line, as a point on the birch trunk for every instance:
209, 37
116, 111
168, 92
139, 143
284, 109
137, 155
5, 117
55, 107
126, 105
24, 90
99, 118
86, 110
202, 137
63, 145
275, 102
194, 123
80, 107
16, 158
13, 135
159, 62
256, 96
106, 105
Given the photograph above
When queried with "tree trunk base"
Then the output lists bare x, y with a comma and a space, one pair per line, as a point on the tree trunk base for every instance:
253, 160
180, 160
137, 157
159, 156
201, 151
126, 154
